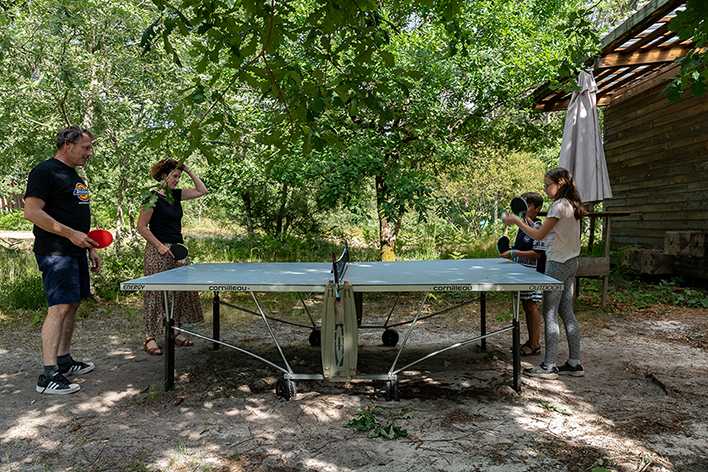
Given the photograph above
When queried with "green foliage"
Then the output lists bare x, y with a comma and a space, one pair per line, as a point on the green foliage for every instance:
631, 290
74, 63
472, 197
370, 420
14, 221
118, 264
550, 407
690, 24
380, 97
584, 43
21, 284
275, 200
262, 248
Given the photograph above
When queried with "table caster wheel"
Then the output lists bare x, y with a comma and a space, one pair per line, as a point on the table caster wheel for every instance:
390, 337
285, 388
316, 338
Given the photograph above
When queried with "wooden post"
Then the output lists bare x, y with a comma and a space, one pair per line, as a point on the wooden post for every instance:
606, 278
591, 240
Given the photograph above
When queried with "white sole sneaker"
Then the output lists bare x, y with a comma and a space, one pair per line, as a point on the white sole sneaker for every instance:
57, 385
78, 368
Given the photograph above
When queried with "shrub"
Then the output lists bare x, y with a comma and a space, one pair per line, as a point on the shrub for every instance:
14, 221
20, 281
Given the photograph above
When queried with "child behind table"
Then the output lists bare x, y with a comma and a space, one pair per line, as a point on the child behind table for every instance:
531, 253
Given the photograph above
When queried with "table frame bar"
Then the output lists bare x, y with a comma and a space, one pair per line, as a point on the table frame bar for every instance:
392, 374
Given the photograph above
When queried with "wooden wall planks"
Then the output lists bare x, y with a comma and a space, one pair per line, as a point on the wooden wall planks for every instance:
657, 159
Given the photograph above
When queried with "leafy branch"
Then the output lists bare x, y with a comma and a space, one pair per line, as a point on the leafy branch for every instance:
690, 24
550, 407
369, 420
584, 44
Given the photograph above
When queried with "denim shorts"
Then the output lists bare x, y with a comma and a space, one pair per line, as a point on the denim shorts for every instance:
66, 278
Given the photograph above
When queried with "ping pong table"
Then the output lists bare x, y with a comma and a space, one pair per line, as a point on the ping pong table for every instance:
343, 284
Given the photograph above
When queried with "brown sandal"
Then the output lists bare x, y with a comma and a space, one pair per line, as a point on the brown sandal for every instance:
183, 342
153, 351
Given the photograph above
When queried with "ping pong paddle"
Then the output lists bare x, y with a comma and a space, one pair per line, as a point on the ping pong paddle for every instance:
519, 207
179, 250
503, 244
103, 237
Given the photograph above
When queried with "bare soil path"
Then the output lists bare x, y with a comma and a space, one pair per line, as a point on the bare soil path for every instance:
641, 406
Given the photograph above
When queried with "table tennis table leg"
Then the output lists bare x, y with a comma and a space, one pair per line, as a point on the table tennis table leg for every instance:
359, 306
216, 320
516, 341
169, 342
483, 318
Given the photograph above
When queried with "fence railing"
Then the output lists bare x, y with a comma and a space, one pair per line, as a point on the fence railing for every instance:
13, 202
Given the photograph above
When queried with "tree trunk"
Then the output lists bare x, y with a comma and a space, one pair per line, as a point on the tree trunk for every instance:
290, 213
119, 206
387, 234
246, 197
281, 210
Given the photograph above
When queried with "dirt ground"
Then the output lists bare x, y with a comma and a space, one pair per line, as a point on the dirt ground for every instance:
640, 407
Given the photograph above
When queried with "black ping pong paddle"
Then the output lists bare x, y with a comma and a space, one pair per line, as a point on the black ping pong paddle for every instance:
503, 244
519, 207
179, 250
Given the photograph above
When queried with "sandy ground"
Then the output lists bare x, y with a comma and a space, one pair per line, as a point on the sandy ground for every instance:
641, 406
16, 235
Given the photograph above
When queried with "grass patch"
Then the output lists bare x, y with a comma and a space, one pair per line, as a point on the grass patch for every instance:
631, 292
20, 280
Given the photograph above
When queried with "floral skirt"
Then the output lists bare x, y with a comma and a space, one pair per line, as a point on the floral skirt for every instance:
188, 309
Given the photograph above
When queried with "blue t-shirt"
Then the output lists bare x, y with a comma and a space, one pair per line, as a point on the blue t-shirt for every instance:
524, 242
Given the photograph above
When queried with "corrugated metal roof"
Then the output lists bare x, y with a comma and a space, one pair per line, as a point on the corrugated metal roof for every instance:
641, 47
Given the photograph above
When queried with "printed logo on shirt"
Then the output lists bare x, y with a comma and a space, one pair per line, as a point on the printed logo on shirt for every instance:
82, 192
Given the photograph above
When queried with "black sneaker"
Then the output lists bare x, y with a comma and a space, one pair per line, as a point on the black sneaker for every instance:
76, 367
57, 385
567, 369
542, 371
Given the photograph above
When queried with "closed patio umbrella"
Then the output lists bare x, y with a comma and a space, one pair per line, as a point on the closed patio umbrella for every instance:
581, 151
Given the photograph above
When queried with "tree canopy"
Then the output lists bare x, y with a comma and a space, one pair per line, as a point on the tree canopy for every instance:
691, 24
379, 94
293, 111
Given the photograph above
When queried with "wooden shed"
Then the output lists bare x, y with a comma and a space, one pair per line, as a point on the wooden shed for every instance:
656, 151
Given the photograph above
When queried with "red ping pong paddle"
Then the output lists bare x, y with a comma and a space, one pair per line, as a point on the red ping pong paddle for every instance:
103, 237
179, 250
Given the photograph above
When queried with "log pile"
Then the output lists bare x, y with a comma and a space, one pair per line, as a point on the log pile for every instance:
686, 243
647, 261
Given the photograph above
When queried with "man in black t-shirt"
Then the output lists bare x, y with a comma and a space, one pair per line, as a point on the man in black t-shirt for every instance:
57, 202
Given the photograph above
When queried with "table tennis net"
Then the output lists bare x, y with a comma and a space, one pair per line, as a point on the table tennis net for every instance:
339, 267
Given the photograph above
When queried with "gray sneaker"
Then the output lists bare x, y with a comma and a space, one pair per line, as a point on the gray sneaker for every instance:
567, 369
57, 385
542, 372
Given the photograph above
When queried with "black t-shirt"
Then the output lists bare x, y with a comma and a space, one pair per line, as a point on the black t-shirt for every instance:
166, 220
66, 199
